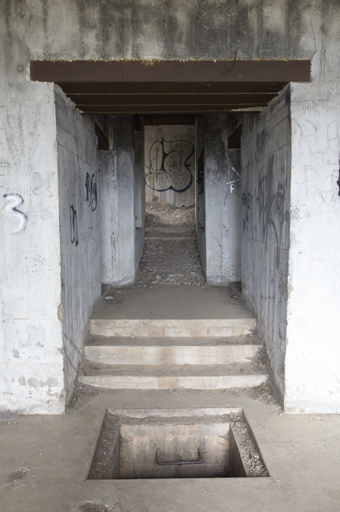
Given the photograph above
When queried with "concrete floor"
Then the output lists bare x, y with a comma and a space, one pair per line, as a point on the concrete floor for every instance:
45, 459
172, 302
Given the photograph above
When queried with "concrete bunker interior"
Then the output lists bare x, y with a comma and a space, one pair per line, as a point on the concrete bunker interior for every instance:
220, 96
188, 443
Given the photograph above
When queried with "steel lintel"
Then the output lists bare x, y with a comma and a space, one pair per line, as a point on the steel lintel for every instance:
174, 71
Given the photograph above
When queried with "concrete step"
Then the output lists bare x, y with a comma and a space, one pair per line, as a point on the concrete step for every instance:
174, 376
246, 339
169, 231
165, 351
172, 327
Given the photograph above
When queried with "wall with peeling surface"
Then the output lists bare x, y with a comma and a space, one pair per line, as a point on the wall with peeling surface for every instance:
266, 148
79, 230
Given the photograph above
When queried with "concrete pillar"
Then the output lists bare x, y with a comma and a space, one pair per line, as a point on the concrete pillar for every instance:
117, 208
222, 198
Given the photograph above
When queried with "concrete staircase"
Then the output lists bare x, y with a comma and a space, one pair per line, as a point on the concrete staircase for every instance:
194, 353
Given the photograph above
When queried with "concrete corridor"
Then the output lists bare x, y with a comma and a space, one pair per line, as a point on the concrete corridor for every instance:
170, 329
46, 459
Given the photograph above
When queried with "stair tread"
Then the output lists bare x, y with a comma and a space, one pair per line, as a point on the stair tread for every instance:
167, 341
151, 371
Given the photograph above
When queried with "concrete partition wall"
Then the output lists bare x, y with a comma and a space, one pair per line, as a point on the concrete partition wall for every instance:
120, 180
313, 348
200, 192
31, 347
222, 203
139, 189
266, 217
79, 199
170, 166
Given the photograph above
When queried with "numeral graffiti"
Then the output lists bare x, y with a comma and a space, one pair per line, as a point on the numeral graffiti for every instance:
15, 200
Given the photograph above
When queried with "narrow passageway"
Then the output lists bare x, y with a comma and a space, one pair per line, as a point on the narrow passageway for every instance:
170, 254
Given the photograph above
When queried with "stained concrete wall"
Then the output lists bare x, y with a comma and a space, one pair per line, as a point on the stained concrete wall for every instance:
139, 190
220, 244
170, 166
79, 231
122, 217
266, 147
313, 351
200, 192
254, 29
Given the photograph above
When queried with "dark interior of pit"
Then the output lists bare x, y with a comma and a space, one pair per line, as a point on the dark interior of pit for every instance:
131, 446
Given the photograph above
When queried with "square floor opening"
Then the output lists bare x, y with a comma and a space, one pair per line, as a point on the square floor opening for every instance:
176, 443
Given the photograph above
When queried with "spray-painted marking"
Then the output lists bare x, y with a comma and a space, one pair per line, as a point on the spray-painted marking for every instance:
167, 162
73, 225
91, 191
15, 200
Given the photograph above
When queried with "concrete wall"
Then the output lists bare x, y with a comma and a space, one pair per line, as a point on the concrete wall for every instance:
31, 348
222, 204
122, 207
169, 166
200, 192
141, 29
139, 190
266, 147
79, 230
313, 349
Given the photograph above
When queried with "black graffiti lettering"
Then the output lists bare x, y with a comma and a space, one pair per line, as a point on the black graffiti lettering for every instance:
169, 163
73, 226
272, 213
91, 191
247, 200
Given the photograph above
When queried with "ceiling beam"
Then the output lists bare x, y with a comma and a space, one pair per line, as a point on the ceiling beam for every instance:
140, 71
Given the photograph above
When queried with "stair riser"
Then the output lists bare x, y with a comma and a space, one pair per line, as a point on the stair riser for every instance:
173, 328
209, 355
133, 382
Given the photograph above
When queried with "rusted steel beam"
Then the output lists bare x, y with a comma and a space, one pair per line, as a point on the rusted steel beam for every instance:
164, 109
177, 99
170, 119
112, 88
139, 71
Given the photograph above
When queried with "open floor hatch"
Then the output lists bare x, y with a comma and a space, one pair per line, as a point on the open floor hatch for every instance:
176, 443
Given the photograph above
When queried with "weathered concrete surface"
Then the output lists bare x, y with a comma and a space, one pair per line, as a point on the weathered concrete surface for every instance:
121, 350
266, 219
31, 347
79, 231
139, 193
170, 166
117, 220
253, 29
222, 197
172, 327
301, 454
122, 208
176, 377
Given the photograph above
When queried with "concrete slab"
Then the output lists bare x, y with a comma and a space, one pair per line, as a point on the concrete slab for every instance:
172, 327
171, 354
45, 460
171, 302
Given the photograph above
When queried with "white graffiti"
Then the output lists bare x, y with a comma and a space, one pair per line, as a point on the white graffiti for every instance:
15, 200
233, 183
